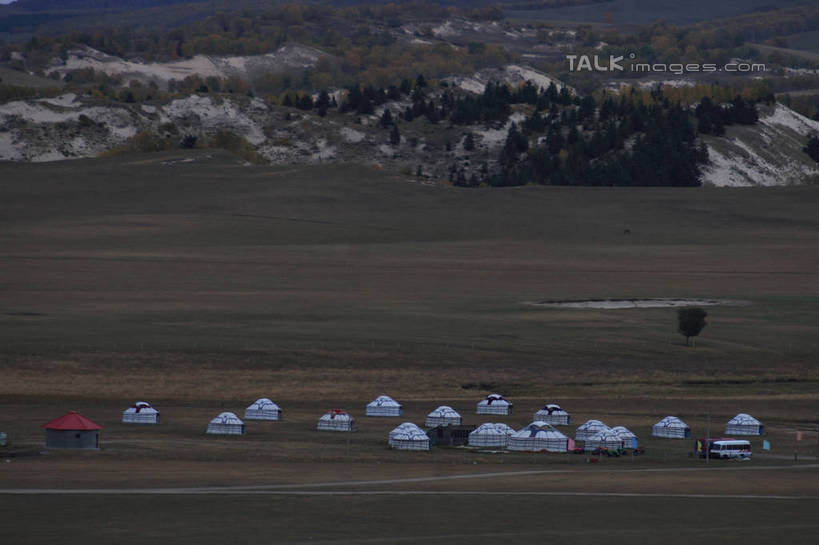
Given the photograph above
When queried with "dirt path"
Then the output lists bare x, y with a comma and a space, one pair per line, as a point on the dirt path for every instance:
242, 492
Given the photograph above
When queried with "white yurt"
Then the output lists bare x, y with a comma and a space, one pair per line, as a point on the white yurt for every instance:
336, 420
226, 424
625, 434
494, 404
384, 406
402, 427
604, 439
744, 424
672, 428
140, 412
443, 415
538, 436
490, 435
408, 436
589, 428
553, 414
263, 409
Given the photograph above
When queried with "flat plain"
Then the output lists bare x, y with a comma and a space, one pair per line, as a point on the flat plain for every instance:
200, 284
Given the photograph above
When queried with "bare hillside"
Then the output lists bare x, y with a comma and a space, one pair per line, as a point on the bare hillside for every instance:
768, 153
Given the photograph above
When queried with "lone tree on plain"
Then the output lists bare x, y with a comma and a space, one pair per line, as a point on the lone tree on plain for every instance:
691, 321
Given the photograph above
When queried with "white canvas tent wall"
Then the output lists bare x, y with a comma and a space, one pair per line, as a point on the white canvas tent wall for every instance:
336, 420
490, 435
408, 436
140, 412
604, 439
263, 409
744, 424
494, 404
554, 415
671, 427
589, 428
539, 436
442, 416
226, 424
625, 434
384, 406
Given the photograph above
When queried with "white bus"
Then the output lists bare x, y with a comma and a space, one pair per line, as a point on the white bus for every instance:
724, 448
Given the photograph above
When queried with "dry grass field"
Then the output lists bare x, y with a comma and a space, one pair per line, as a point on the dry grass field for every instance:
199, 284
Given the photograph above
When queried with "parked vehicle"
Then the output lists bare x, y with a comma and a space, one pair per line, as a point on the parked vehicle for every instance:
723, 448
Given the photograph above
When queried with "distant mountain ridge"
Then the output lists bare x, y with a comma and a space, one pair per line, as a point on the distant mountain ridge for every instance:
25, 18
69, 5
643, 12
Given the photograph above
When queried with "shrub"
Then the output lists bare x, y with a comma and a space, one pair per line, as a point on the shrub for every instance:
234, 143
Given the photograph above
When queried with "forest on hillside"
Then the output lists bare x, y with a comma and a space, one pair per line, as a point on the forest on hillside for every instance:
588, 136
362, 42
632, 138
635, 138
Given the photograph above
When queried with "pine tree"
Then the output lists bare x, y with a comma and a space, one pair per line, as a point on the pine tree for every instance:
552, 92
406, 86
554, 139
386, 118
812, 148
587, 108
323, 99
460, 180
393, 93
469, 142
353, 100
305, 102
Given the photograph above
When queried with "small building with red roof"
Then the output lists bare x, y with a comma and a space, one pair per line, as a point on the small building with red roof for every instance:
72, 430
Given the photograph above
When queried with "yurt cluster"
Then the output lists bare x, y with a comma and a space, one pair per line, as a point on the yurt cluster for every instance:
443, 426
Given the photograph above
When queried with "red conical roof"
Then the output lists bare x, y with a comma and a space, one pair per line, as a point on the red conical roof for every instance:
72, 421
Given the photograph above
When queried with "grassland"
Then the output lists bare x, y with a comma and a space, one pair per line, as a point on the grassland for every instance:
24, 79
433, 520
200, 285
808, 41
800, 52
